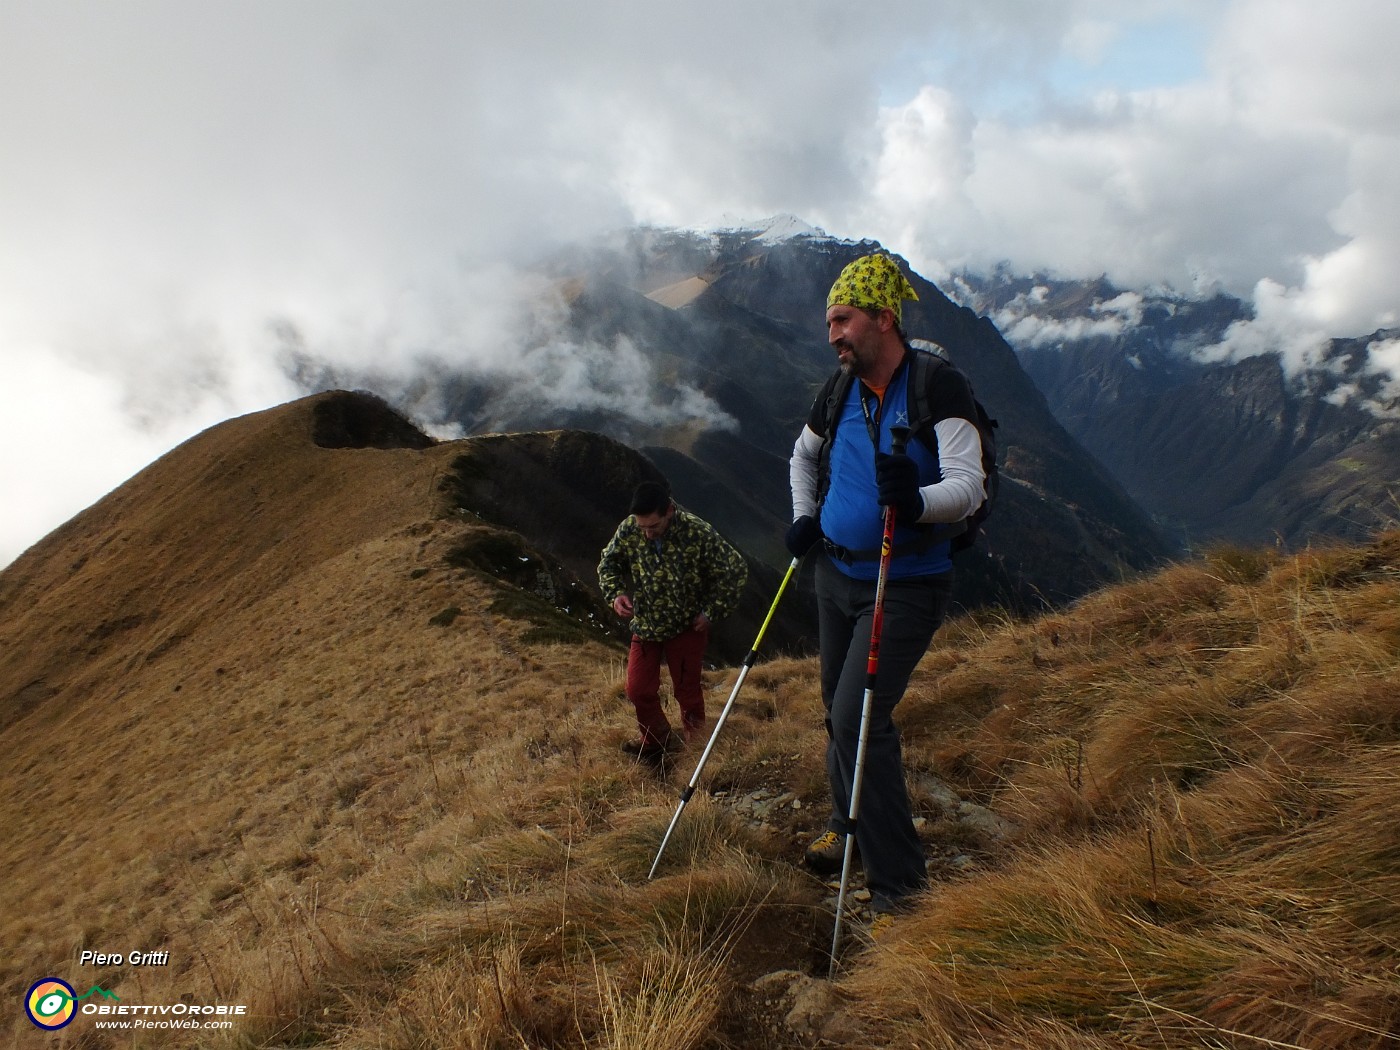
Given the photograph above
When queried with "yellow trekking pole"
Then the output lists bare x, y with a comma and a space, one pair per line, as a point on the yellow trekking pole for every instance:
719, 724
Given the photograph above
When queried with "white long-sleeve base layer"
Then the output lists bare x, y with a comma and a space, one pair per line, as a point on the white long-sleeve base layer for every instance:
961, 491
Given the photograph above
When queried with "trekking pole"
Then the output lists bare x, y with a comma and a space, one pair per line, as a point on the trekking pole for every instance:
719, 724
898, 437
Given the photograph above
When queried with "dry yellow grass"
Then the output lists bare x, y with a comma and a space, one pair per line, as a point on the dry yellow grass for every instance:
234, 733
1204, 768
243, 741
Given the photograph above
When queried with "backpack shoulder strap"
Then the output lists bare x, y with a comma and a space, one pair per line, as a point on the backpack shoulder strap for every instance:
826, 413
827, 408
925, 361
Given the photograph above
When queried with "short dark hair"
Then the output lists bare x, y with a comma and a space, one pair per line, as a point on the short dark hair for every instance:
651, 497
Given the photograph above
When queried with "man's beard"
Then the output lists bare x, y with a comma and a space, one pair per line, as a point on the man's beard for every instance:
852, 365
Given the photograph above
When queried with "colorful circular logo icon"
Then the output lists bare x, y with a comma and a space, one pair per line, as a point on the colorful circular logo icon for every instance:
50, 1003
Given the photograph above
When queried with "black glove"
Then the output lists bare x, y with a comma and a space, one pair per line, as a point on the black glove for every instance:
898, 481
802, 535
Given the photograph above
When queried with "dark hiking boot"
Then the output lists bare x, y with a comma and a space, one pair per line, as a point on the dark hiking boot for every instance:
826, 855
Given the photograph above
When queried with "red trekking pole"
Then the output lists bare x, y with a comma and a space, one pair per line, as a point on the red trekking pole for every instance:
898, 437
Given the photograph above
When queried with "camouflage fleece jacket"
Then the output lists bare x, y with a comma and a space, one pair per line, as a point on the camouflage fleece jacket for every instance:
694, 571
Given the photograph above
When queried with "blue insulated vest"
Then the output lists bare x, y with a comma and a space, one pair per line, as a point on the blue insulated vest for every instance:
851, 516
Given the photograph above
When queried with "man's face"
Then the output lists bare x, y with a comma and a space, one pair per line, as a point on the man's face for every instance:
654, 526
856, 337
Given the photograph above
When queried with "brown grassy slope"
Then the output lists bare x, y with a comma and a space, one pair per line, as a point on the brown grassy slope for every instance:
143, 648
220, 523
375, 831
1206, 769
235, 732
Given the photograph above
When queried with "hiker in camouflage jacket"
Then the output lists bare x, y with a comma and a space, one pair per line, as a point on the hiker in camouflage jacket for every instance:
670, 575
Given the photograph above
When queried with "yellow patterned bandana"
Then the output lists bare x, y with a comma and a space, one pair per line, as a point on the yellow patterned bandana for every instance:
872, 282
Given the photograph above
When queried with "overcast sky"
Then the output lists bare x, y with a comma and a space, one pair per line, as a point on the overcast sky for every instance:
181, 184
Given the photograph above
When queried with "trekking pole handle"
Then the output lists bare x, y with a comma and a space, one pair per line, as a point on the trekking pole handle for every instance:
899, 439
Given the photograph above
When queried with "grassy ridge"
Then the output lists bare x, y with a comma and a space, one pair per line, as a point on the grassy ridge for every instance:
376, 825
1201, 767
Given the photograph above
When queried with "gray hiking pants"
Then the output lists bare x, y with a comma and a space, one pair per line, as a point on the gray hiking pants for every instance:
889, 846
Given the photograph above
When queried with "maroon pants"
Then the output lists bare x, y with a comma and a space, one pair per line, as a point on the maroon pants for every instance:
684, 654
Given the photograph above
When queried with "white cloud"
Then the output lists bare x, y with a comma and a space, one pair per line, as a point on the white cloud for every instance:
177, 178
1385, 361
1025, 325
1156, 186
1275, 328
500, 323
71, 431
1271, 176
617, 379
1292, 65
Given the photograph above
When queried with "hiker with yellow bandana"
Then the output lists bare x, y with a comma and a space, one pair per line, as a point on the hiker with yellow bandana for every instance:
843, 475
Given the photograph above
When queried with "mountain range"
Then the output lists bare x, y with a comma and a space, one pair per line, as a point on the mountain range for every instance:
704, 350
1126, 436
1250, 451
